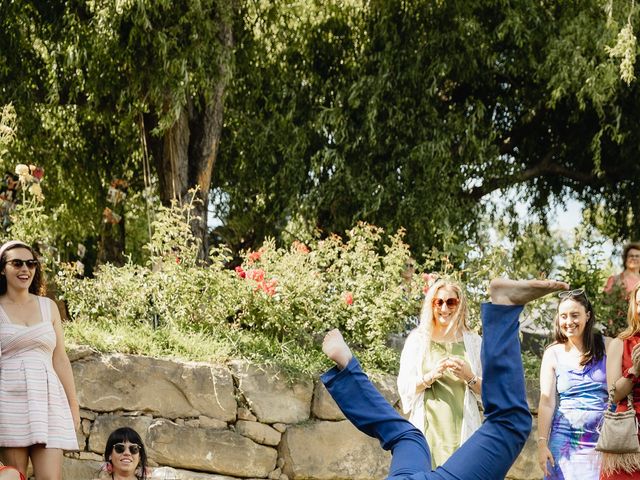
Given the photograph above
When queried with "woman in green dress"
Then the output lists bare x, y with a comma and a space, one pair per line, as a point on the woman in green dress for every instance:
438, 380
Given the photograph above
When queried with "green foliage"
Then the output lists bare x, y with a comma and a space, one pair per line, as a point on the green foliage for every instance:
7, 128
275, 306
404, 114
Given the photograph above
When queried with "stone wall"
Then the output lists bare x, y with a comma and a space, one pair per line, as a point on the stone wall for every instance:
227, 421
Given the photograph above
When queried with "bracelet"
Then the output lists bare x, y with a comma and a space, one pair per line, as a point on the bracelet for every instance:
473, 381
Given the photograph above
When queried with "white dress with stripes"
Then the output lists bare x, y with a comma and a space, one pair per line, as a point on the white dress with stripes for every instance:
33, 405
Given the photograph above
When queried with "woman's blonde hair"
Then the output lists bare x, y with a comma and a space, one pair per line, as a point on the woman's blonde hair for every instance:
459, 318
633, 317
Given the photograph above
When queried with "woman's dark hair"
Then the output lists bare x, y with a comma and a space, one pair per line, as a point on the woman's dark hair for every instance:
593, 342
126, 434
625, 251
37, 286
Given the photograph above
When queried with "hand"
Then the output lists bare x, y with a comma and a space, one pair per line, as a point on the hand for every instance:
545, 458
436, 372
460, 369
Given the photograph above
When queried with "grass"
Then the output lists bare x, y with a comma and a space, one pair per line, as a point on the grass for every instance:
217, 345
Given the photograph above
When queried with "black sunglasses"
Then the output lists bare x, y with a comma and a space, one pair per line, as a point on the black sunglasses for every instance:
18, 263
133, 448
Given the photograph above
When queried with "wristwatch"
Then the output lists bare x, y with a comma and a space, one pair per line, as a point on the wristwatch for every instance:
473, 381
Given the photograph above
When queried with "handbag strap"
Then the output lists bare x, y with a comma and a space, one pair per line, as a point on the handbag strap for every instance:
612, 403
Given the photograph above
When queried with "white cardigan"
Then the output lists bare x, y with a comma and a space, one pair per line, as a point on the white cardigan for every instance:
411, 366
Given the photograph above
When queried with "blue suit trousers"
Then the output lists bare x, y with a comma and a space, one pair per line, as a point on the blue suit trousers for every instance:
490, 451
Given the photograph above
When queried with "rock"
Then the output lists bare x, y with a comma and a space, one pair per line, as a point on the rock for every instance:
209, 422
280, 463
358, 457
78, 352
245, 414
275, 475
281, 427
273, 396
85, 426
323, 406
74, 468
163, 387
88, 414
189, 475
258, 432
387, 386
105, 424
533, 394
209, 450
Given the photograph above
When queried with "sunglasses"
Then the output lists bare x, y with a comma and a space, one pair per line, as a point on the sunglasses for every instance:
18, 263
133, 448
573, 293
451, 302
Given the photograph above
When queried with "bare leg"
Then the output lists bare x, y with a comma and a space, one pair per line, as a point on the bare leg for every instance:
17, 457
47, 462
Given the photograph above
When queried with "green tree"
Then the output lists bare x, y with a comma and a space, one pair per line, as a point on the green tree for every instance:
97, 85
409, 113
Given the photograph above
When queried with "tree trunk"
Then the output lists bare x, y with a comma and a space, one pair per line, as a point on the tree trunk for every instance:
185, 154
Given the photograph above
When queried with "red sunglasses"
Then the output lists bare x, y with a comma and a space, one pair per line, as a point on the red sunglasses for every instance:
451, 302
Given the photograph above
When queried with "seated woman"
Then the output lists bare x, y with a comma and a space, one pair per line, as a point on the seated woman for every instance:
493, 448
574, 368
125, 456
439, 372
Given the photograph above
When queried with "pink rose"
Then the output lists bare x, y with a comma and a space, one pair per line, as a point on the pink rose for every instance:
241, 273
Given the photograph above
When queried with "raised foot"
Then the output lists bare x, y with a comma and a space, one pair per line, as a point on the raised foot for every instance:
504, 291
336, 348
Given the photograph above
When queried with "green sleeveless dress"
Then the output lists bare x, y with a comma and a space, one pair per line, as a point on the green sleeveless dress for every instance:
444, 405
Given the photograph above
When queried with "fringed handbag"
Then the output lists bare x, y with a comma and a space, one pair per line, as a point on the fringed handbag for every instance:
618, 439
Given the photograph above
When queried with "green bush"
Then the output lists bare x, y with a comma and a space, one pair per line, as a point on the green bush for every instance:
275, 306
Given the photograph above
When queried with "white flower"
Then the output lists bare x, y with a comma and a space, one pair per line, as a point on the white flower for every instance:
22, 170
36, 190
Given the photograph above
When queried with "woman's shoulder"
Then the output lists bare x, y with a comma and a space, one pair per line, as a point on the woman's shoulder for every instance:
552, 351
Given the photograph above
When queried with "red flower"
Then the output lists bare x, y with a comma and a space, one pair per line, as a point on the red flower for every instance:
241, 273
300, 247
256, 274
269, 286
255, 256
177, 260
348, 298
38, 173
